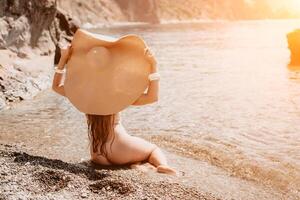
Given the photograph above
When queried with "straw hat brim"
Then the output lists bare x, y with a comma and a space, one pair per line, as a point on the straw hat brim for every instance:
105, 75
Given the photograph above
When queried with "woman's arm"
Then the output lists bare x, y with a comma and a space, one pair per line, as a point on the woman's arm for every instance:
153, 89
151, 96
65, 55
56, 84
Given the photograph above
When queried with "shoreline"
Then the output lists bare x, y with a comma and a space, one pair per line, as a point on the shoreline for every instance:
118, 24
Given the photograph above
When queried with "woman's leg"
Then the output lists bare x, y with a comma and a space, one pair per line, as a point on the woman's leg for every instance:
142, 150
132, 149
159, 160
157, 157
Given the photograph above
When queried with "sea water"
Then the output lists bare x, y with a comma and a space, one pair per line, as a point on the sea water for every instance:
227, 97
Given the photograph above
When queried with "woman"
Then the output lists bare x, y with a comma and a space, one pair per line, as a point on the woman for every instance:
110, 144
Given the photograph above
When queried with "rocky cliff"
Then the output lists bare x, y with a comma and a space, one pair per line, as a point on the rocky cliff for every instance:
142, 11
29, 33
153, 11
96, 12
92, 11
33, 23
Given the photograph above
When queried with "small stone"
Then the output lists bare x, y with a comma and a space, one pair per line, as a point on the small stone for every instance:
84, 195
3, 173
71, 186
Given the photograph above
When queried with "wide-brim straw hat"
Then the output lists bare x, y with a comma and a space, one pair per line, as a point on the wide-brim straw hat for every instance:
104, 75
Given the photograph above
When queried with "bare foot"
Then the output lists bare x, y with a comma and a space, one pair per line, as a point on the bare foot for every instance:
166, 170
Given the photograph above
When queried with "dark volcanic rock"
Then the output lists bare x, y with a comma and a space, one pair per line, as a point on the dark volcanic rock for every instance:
66, 23
294, 46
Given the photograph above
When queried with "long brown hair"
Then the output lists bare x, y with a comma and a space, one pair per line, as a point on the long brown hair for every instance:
100, 127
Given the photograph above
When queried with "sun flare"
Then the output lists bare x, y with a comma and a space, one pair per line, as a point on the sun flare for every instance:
292, 6
295, 5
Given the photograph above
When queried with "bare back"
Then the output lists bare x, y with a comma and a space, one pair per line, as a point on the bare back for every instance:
123, 148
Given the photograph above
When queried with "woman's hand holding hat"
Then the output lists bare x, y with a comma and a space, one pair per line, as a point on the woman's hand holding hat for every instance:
151, 58
65, 55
